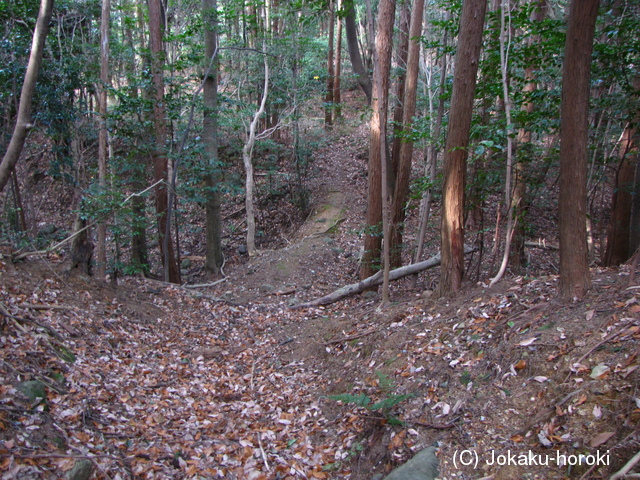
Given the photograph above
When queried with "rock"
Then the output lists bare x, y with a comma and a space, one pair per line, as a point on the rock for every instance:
266, 288
33, 389
423, 466
47, 230
82, 470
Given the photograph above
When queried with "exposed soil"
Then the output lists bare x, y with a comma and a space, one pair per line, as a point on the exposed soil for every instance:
150, 380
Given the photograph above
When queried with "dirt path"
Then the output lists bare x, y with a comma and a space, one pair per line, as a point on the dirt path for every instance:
323, 253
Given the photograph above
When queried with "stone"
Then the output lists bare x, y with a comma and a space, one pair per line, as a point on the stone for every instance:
82, 470
423, 466
33, 389
266, 288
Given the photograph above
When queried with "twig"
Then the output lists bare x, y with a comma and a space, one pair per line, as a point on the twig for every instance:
204, 285
17, 321
354, 336
264, 455
622, 473
607, 339
438, 426
45, 307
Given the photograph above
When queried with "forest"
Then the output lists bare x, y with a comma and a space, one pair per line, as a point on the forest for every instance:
234, 232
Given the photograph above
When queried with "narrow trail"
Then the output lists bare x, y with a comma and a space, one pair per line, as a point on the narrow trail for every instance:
323, 252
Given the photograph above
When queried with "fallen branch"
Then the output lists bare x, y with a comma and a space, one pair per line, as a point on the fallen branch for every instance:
375, 280
542, 244
355, 336
622, 473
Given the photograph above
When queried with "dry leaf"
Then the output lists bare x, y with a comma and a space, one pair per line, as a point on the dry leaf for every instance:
601, 439
527, 341
597, 411
599, 371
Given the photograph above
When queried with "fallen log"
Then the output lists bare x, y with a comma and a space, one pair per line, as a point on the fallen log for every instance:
374, 280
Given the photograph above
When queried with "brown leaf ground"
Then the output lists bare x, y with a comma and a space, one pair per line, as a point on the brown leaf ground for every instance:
154, 381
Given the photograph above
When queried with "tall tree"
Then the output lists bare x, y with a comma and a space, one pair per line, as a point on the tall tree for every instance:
455, 155
160, 160
405, 149
338, 67
214, 256
23, 119
328, 99
378, 140
101, 250
362, 76
517, 256
575, 277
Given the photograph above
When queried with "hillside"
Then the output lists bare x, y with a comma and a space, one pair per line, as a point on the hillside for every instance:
150, 380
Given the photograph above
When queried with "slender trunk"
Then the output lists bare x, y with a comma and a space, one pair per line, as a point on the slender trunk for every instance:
214, 255
362, 76
575, 277
464, 83
432, 157
101, 250
328, 99
23, 120
619, 234
405, 149
337, 69
171, 272
373, 237
247, 152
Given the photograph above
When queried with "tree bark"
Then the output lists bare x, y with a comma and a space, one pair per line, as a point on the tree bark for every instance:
337, 108
372, 239
575, 277
23, 120
375, 280
619, 234
171, 272
247, 152
405, 149
328, 99
455, 157
362, 76
214, 255
101, 250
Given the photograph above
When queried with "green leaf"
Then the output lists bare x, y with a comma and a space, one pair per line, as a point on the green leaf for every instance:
360, 400
390, 402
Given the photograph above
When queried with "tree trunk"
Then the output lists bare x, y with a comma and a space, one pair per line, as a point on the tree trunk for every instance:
247, 152
372, 239
23, 120
362, 76
619, 233
574, 135
405, 149
455, 157
519, 199
171, 272
328, 99
337, 69
214, 255
101, 250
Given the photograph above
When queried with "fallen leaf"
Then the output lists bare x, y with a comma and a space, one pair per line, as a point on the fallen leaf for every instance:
599, 371
527, 341
597, 411
601, 439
